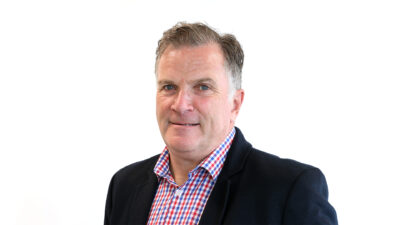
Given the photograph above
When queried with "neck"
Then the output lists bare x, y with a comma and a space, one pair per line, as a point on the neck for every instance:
181, 167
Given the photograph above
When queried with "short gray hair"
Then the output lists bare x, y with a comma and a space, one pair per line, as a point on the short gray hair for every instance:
195, 34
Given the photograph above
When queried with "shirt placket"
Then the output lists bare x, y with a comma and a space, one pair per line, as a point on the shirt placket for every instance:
180, 202
175, 203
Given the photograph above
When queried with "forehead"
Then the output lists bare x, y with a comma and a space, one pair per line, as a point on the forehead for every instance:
189, 59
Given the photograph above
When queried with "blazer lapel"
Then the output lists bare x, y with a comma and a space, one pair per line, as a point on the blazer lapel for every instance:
142, 200
216, 204
215, 209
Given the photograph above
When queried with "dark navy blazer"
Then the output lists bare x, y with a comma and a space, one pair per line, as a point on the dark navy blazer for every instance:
253, 187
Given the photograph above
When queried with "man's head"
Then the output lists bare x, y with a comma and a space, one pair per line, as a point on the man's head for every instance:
196, 34
197, 103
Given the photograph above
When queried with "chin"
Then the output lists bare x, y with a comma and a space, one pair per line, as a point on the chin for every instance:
182, 144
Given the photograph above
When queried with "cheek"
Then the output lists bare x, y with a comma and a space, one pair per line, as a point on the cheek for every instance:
205, 106
161, 112
158, 106
217, 110
162, 104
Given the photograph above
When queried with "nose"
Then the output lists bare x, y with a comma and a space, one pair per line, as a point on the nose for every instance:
182, 102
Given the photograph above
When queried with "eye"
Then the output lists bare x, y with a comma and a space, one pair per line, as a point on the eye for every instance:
168, 87
204, 87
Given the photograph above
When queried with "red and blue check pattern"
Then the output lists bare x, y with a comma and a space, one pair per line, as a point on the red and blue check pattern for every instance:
184, 204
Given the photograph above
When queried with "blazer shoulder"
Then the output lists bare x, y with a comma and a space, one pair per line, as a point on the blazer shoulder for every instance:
138, 171
268, 164
258, 164
125, 186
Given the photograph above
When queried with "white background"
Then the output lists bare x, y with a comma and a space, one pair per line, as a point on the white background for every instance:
77, 97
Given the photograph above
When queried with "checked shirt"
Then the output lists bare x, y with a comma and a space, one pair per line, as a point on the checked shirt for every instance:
184, 204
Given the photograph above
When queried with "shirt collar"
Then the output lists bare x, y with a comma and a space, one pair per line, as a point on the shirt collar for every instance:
212, 163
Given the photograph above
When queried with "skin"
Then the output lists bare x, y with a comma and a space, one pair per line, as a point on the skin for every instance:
195, 111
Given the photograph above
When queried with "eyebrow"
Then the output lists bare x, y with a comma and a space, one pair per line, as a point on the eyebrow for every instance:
204, 80
162, 82
201, 80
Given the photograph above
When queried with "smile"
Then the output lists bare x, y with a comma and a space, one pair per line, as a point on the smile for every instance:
185, 124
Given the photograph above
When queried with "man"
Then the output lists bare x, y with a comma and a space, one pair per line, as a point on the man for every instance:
208, 173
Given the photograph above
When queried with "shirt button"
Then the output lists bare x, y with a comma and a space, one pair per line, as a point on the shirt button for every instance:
178, 192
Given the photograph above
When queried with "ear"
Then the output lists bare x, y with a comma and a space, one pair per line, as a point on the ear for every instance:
237, 103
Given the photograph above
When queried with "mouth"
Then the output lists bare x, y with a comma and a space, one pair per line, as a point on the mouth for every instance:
185, 124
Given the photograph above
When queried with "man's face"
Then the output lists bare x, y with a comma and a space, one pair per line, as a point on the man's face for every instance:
194, 110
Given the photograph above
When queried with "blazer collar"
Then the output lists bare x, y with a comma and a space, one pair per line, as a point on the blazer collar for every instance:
236, 157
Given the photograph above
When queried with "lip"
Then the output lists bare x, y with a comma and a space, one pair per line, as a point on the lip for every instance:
183, 124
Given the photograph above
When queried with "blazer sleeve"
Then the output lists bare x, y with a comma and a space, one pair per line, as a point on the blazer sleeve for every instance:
108, 208
307, 203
